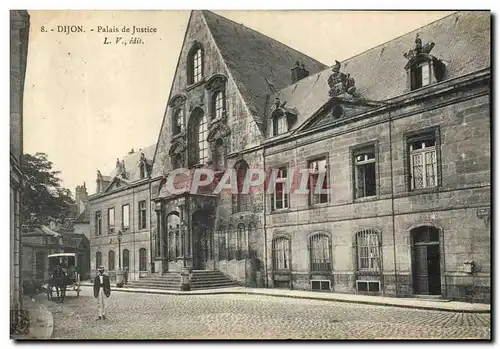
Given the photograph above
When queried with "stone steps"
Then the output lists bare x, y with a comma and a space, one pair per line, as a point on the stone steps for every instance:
200, 279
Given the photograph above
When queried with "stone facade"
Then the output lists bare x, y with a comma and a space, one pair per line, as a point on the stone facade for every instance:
388, 225
121, 191
19, 32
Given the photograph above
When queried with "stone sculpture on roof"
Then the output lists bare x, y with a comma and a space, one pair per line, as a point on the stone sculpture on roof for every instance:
340, 83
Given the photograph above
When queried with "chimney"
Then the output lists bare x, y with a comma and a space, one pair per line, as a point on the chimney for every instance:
81, 197
299, 72
117, 163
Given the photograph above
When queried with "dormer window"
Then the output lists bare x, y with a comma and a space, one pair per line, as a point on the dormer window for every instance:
279, 125
421, 75
195, 65
422, 68
178, 121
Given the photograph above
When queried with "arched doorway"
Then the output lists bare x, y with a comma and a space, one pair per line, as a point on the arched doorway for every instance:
426, 260
202, 240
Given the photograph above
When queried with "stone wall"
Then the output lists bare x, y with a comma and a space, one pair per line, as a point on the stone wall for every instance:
132, 240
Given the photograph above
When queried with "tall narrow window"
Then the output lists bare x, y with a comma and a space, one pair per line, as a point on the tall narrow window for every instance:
365, 173
125, 217
420, 75
178, 121
423, 162
218, 104
143, 260
319, 252
242, 241
111, 260
98, 259
231, 243
242, 202
318, 181
279, 125
281, 253
202, 140
126, 259
111, 220
368, 250
98, 223
142, 215
195, 72
279, 199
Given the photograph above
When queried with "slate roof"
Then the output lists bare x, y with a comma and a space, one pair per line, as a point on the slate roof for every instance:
84, 217
252, 57
132, 163
461, 39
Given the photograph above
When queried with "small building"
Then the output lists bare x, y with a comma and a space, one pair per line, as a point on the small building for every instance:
119, 216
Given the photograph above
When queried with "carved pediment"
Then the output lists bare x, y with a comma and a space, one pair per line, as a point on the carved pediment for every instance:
216, 82
218, 130
419, 52
340, 109
177, 101
177, 147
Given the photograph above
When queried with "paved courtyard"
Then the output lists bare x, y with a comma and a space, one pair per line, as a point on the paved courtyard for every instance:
147, 316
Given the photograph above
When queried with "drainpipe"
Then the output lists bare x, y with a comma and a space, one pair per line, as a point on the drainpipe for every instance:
264, 219
392, 209
151, 261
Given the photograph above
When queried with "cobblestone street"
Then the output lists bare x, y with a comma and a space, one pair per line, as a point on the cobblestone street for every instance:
146, 316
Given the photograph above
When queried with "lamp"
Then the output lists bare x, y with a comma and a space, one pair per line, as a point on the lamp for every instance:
120, 250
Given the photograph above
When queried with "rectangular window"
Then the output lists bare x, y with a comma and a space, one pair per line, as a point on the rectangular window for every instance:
197, 68
125, 217
279, 198
279, 125
365, 173
319, 182
142, 215
368, 246
98, 223
281, 253
423, 162
420, 75
111, 221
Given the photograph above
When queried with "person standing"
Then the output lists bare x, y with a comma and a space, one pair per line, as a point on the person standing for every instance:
60, 284
102, 290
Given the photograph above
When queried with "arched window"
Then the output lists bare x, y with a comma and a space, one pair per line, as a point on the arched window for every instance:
98, 259
198, 129
368, 250
281, 253
143, 260
242, 201
111, 260
242, 241
177, 121
173, 227
218, 104
126, 259
319, 252
195, 65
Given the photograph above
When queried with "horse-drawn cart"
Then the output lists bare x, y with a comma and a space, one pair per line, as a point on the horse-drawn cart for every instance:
69, 279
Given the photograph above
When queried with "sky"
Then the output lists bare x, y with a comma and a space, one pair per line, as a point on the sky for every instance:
87, 103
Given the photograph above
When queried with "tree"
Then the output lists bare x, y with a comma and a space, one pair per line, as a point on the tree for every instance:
43, 197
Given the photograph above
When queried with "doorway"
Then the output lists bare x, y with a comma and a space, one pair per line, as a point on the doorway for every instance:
426, 261
202, 240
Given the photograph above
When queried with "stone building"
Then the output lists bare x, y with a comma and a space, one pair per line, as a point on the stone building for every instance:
19, 33
397, 138
119, 216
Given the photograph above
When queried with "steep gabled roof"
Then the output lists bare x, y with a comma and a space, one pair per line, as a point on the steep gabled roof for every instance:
253, 57
132, 161
462, 41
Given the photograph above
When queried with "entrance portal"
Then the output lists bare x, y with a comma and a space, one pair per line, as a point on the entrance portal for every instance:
202, 240
426, 262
